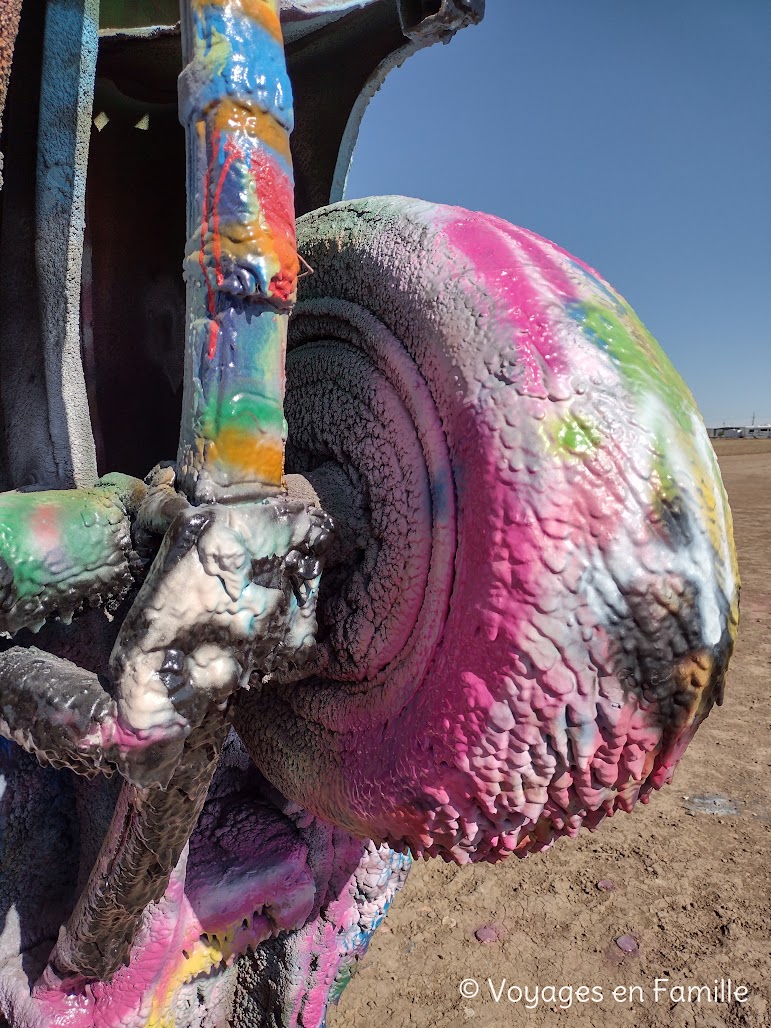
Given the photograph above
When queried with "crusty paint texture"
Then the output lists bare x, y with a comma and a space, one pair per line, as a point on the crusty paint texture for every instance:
531, 609
594, 587
10, 12
259, 873
62, 549
232, 590
231, 593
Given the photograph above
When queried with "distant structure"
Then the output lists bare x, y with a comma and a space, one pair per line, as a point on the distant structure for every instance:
740, 432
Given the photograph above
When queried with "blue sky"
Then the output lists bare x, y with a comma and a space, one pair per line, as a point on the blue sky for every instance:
637, 135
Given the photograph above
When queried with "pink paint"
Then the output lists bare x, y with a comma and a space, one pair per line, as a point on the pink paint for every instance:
528, 722
44, 526
246, 877
277, 208
499, 266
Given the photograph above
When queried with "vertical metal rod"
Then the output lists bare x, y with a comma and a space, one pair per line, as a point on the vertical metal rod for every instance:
70, 45
241, 273
235, 102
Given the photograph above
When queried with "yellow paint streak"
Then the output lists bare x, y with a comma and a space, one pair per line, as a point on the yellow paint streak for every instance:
248, 118
718, 517
695, 670
218, 54
201, 961
247, 454
693, 675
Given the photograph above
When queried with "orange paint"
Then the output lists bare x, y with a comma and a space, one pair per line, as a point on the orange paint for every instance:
244, 117
244, 173
211, 350
270, 233
259, 456
693, 675
242, 241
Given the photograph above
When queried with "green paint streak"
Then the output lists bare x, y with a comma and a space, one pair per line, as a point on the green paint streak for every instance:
215, 48
667, 489
248, 412
640, 359
342, 979
49, 537
648, 374
574, 435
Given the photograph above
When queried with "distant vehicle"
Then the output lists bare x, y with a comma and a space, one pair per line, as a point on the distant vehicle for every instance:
740, 432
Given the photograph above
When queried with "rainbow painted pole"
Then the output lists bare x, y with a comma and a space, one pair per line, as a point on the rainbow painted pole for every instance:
235, 102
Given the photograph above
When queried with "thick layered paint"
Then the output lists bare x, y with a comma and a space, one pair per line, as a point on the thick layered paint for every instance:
254, 873
595, 588
321, 958
232, 592
241, 264
65, 548
267, 889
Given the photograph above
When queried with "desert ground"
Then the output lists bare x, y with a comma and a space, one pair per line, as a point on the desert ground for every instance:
688, 877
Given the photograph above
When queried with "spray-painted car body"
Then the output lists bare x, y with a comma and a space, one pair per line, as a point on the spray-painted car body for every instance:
481, 594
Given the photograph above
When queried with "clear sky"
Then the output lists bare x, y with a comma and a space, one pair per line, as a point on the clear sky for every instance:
634, 133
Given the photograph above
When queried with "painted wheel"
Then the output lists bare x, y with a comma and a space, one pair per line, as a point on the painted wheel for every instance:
533, 596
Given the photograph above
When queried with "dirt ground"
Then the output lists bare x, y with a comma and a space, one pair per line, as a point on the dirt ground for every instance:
692, 886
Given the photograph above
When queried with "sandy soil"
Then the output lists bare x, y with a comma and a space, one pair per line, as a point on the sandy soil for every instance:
693, 887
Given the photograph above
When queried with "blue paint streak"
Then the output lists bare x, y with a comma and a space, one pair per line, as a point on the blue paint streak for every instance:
253, 71
241, 350
577, 312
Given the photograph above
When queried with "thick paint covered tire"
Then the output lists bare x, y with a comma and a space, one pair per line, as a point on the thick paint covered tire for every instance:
535, 597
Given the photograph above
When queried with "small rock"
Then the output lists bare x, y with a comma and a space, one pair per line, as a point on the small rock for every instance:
469, 1012
628, 944
486, 934
606, 885
450, 922
410, 947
